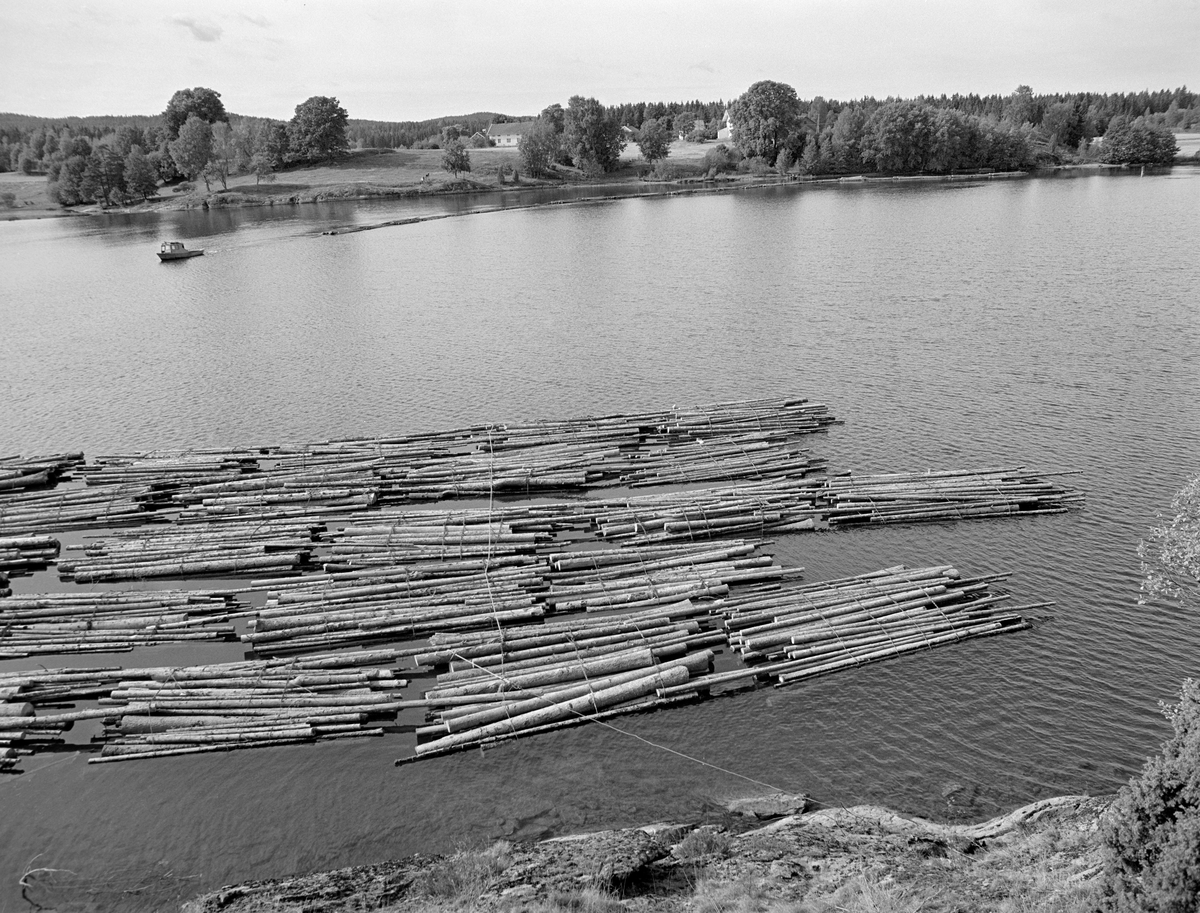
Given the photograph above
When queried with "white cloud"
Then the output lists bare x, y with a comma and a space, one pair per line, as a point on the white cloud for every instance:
201, 31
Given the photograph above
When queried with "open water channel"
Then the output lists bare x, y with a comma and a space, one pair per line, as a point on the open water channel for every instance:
1052, 323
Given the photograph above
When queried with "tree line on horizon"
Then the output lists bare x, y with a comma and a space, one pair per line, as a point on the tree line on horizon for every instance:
772, 128
108, 157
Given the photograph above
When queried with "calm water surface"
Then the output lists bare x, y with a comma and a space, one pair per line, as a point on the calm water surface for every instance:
1050, 323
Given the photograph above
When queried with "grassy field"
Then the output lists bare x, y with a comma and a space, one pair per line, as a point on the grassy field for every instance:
30, 200
1189, 143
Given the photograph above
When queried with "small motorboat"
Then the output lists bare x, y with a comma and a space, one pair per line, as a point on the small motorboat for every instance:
174, 250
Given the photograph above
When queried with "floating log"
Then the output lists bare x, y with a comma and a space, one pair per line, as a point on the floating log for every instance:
592, 702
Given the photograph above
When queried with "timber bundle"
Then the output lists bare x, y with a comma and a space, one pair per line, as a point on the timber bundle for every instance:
464, 591
111, 622
533, 678
22, 732
789, 634
594, 668
616, 564
22, 554
755, 439
35, 472
171, 551
250, 704
169, 711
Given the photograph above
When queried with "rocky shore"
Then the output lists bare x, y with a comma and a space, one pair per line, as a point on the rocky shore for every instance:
774, 854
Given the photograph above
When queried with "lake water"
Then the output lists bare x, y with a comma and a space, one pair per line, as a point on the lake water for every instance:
1052, 323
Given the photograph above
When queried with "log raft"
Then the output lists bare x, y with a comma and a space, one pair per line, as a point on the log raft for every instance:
544, 612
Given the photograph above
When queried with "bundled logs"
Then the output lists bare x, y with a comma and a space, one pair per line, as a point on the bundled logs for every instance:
23, 731
754, 439
175, 469
747, 453
798, 632
203, 550
104, 622
701, 513
502, 684
394, 604
250, 704
35, 472
40, 512
392, 538
276, 493
21, 554
640, 576
538, 614
462, 590
955, 495
168, 711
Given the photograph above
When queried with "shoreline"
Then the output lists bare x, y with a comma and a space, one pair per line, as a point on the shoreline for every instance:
251, 196
766, 850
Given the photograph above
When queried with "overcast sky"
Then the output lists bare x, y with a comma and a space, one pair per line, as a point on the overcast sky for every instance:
412, 59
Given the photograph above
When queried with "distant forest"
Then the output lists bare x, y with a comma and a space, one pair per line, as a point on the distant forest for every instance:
1175, 109
110, 157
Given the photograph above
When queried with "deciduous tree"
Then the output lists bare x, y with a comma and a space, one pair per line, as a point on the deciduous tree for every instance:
260, 167
277, 144
846, 139
1020, 107
140, 177
455, 158
318, 130
1063, 124
654, 139
224, 152
592, 135
684, 123
104, 175
555, 116
201, 102
953, 141
538, 147
1137, 144
899, 137
192, 149
67, 183
764, 117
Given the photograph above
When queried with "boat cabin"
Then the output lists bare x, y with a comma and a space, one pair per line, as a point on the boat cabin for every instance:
172, 247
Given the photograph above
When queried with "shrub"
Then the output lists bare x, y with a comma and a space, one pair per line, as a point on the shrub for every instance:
703, 843
665, 171
8, 199
1152, 833
757, 165
463, 875
1171, 553
720, 159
